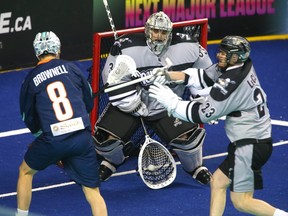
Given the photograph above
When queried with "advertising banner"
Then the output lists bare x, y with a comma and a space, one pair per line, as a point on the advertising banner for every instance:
241, 17
76, 21
20, 21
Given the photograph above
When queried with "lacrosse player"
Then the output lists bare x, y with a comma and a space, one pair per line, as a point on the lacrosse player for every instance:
55, 100
121, 117
236, 94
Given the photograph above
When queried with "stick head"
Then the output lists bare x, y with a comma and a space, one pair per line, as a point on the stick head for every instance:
124, 65
156, 165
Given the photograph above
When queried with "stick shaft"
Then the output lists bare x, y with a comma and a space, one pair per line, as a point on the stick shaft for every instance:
111, 22
122, 85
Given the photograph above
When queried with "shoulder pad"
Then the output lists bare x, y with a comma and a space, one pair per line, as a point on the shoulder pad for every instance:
182, 37
136, 39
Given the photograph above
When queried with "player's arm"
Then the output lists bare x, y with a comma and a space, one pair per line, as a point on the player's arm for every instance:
28, 110
84, 85
128, 99
194, 111
191, 77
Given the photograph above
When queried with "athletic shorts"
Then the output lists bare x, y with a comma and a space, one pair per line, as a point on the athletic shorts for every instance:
76, 151
123, 125
243, 165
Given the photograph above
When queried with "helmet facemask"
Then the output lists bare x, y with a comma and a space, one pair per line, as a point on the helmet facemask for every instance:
158, 31
46, 43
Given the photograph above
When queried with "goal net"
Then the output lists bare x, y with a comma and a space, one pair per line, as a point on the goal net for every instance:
102, 43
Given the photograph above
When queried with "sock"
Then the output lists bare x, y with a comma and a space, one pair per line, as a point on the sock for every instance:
21, 212
279, 212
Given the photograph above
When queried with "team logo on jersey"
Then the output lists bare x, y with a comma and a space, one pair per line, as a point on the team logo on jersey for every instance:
177, 122
222, 84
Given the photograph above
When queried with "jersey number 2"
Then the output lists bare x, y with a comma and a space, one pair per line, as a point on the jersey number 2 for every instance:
61, 104
259, 99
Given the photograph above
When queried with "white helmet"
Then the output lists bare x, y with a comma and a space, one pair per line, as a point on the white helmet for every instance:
162, 22
45, 43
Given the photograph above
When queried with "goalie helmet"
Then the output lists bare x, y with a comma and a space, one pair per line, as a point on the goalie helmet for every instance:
158, 21
46, 43
235, 45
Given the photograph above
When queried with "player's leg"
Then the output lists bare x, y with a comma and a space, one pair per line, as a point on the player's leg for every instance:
244, 202
112, 134
96, 201
24, 188
36, 158
248, 178
186, 140
218, 187
82, 166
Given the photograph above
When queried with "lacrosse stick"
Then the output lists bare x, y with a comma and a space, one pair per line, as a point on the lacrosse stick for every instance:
111, 22
113, 28
156, 165
122, 85
124, 66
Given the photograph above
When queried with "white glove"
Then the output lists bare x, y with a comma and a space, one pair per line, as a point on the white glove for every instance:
162, 71
165, 96
160, 79
160, 75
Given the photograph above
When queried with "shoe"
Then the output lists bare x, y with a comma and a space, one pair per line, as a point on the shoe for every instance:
202, 175
106, 170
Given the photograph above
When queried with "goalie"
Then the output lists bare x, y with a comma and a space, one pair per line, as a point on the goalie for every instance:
121, 117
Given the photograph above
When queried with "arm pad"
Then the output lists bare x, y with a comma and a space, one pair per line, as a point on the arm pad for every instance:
129, 102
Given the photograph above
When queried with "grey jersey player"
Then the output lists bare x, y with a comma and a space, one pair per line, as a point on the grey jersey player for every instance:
237, 94
121, 117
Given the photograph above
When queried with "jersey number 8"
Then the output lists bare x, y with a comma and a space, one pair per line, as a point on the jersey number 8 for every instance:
61, 104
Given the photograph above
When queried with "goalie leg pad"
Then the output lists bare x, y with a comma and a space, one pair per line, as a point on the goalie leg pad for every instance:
111, 150
190, 150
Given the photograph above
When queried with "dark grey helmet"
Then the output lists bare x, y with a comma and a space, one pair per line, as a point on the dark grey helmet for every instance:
235, 45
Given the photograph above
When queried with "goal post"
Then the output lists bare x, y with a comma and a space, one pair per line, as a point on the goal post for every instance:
102, 43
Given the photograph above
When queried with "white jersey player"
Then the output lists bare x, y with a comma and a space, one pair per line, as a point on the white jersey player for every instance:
121, 118
236, 94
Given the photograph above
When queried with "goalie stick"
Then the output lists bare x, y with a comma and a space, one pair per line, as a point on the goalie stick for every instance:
111, 22
124, 66
113, 28
120, 72
156, 165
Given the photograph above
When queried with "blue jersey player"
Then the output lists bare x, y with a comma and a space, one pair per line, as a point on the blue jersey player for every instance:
55, 100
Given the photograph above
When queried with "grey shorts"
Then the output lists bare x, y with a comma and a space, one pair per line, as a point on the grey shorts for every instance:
243, 165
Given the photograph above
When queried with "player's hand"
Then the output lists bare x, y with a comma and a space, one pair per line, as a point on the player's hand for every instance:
165, 96
160, 71
160, 79
116, 48
160, 75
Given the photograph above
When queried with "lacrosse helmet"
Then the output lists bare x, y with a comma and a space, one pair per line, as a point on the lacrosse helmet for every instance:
158, 21
235, 45
46, 43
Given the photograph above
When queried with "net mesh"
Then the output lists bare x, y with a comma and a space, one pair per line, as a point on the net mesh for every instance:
157, 166
102, 44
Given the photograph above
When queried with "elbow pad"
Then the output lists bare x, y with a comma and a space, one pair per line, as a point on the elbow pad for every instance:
129, 102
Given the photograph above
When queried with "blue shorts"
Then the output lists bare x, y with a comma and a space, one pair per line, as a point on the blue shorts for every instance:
76, 151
